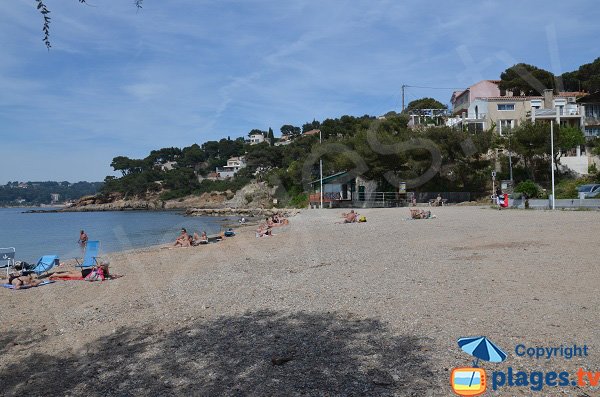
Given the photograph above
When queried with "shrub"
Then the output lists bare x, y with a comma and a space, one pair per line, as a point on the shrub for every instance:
299, 201
567, 189
529, 188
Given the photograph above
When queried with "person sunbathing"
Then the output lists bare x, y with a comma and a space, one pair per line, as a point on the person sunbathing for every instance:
183, 240
202, 239
420, 214
350, 217
279, 221
19, 281
264, 231
98, 272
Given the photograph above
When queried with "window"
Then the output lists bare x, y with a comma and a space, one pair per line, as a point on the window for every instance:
504, 126
592, 110
592, 131
506, 106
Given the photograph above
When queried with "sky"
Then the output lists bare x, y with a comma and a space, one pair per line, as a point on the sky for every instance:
121, 81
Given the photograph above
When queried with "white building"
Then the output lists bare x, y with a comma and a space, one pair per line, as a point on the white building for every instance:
234, 164
255, 139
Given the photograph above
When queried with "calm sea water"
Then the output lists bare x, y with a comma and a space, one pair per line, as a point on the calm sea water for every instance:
34, 235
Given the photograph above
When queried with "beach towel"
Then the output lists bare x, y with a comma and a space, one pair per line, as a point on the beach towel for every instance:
65, 277
45, 282
69, 277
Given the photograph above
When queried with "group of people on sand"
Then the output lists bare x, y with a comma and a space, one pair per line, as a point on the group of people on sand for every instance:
417, 213
190, 240
265, 229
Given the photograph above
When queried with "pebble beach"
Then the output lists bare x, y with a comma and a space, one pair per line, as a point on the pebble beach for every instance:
318, 309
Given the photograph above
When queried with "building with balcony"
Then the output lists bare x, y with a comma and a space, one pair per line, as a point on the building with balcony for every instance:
461, 100
590, 108
234, 164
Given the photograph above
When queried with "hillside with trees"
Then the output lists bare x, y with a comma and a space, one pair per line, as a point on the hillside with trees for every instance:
36, 193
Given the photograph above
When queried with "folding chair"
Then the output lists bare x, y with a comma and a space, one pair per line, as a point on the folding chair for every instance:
7, 258
90, 258
45, 264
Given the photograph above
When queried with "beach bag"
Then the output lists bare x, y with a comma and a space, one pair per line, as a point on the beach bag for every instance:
362, 218
97, 274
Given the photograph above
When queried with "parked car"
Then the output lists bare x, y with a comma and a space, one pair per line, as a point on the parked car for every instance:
589, 191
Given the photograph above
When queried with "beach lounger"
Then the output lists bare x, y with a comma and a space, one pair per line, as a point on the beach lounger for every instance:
90, 258
45, 264
7, 258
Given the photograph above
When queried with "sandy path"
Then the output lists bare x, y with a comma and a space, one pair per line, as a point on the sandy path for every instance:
363, 309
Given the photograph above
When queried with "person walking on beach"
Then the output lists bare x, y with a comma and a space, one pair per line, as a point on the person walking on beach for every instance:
83, 238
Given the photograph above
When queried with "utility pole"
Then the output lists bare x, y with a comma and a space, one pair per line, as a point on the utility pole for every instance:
510, 154
557, 110
403, 87
321, 170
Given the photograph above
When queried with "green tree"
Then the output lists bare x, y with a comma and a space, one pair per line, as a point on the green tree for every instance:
523, 79
530, 188
313, 125
566, 138
424, 103
587, 78
290, 130
530, 141
271, 137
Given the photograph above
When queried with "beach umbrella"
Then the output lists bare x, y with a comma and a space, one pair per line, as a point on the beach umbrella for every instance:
481, 348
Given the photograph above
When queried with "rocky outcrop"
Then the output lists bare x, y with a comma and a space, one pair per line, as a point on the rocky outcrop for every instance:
255, 199
249, 212
118, 205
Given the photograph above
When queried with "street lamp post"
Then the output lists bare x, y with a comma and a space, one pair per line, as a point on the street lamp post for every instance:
510, 154
552, 151
321, 171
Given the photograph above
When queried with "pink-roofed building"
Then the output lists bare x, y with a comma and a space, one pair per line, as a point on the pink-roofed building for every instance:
461, 100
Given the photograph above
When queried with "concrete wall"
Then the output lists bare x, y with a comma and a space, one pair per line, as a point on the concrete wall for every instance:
558, 203
578, 164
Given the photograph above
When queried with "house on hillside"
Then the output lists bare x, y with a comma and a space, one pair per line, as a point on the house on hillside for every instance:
284, 140
461, 100
312, 132
234, 164
255, 139
590, 109
505, 113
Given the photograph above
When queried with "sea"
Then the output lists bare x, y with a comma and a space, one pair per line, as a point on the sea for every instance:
56, 233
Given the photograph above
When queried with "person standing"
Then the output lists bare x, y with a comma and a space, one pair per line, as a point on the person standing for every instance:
499, 198
83, 238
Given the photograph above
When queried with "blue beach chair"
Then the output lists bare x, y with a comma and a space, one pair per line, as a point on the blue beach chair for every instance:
7, 258
90, 259
45, 264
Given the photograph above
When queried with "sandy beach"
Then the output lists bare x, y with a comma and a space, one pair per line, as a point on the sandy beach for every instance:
319, 309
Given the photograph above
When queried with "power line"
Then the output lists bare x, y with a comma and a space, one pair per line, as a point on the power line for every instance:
405, 86
434, 88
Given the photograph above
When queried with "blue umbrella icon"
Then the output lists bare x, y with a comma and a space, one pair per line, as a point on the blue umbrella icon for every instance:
481, 348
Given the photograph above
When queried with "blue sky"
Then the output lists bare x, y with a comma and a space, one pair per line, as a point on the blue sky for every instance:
123, 82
